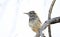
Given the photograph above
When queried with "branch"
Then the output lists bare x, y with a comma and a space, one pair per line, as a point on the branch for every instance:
38, 34
51, 7
49, 16
48, 22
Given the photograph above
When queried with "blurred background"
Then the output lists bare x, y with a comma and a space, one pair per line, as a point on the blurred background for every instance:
14, 23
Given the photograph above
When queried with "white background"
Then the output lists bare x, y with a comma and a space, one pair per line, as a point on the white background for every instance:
14, 23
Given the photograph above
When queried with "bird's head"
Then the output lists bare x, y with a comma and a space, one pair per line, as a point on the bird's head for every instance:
31, 14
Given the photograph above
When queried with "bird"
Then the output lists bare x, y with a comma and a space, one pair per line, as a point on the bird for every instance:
34, 21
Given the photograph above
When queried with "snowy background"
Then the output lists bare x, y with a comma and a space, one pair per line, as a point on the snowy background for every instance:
14, 23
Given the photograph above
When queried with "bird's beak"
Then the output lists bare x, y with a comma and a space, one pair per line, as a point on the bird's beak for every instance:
26, 13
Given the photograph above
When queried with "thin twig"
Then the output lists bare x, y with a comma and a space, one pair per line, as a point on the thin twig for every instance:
49, 16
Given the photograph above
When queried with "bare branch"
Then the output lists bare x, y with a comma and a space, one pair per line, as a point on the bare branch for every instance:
48, 22
38, 34
51, 7
49, 16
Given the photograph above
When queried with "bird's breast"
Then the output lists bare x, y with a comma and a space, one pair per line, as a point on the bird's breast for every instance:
35, 23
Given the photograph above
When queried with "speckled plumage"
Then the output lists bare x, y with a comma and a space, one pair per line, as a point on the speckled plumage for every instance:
34, 21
